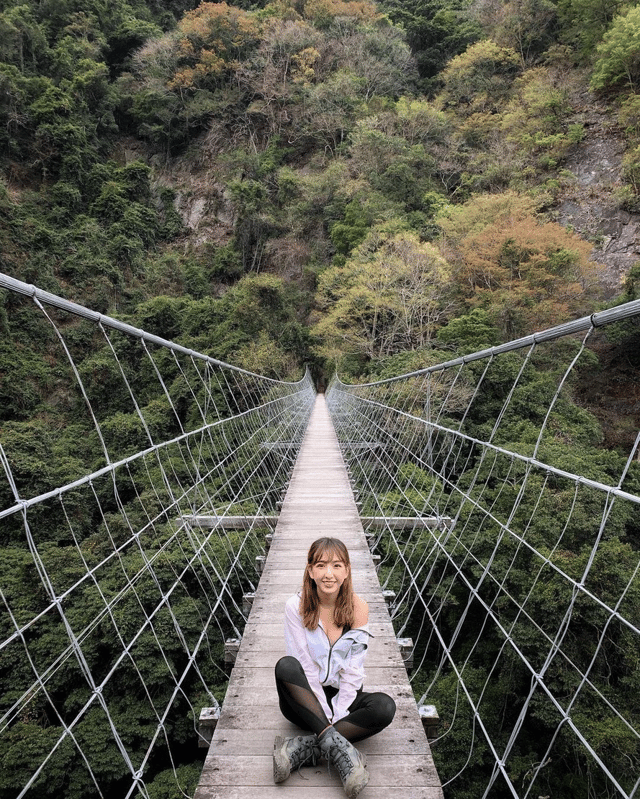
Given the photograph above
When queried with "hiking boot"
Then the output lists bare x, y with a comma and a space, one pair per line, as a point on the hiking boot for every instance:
292, 753
350, 763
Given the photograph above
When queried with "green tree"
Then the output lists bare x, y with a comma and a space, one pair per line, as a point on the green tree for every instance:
390, 295
538, 119
352, 230
23, 42
472, 332
398, 170
526, 26
618, 55
480, 79
584, 22
436, 30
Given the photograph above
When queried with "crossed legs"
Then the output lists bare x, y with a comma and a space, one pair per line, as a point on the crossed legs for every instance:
369, 713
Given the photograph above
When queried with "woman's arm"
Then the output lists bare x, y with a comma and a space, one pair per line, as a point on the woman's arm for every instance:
360, 612
296, 645
352, 675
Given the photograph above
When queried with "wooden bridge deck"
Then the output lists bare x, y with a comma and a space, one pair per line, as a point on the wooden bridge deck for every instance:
319, 502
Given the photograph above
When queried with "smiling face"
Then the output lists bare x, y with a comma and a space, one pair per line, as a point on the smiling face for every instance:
328, 572
327, 583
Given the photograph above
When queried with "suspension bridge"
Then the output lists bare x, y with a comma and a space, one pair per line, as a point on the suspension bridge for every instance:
318, 502
153, 539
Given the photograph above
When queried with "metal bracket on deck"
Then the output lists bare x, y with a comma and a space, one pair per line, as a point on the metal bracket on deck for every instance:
247, 602
207, 724
406, 651
430, 720
231, 648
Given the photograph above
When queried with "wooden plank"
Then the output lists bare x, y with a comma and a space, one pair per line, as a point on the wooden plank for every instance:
270, 651
270, 629
411, 770
244, 717
236, 741
240, 695
230, 522
300, 790
319, 501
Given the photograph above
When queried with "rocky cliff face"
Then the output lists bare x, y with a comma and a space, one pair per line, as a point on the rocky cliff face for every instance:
589, 204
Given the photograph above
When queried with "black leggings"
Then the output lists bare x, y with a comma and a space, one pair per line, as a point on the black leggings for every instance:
368, 713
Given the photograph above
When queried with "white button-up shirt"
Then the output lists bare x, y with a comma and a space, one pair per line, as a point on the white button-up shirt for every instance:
340, 665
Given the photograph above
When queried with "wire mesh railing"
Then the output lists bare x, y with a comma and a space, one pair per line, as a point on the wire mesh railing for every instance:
510, 539
114, 605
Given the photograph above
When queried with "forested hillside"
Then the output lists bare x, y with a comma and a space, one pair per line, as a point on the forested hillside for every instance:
329, 183
274, 159
333, 183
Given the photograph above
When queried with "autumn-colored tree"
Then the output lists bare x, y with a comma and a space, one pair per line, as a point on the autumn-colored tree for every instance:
284, 65
307, 81
527, 273
459, 221
227, 29
211, 38
322, 13
179, 81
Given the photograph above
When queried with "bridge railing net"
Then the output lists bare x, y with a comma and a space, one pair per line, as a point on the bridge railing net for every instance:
511, 539
114, 609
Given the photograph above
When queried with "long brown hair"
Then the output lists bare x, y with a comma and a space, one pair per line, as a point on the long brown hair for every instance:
343, 612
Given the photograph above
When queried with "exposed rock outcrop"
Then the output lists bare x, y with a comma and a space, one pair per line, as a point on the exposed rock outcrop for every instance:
590, 204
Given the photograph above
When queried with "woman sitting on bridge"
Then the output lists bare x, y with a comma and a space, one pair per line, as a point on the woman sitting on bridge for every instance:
320, 679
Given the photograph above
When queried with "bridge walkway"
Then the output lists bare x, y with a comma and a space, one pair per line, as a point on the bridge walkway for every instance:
319, 501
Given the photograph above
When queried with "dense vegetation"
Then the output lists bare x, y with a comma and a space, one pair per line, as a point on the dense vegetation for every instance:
332, 136
378, 184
